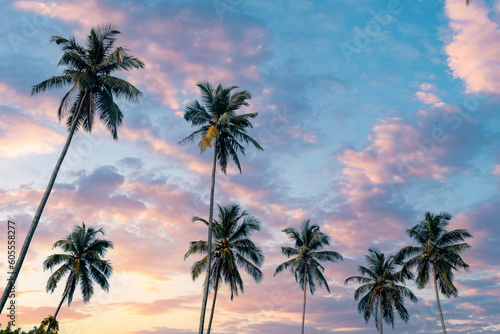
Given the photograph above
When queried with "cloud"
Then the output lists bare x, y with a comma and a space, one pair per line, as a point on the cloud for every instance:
70, 11
427, 98
397, 152
480, 222
35, 315
22, 135
471, 55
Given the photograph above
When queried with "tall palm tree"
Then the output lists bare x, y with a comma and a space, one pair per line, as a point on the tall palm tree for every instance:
305, 265
82, 262
382, 293
233, 249
223, 129
92, 91
438, 252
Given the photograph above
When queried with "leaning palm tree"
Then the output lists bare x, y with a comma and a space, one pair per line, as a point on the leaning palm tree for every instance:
305, 266
223, 129
233, 249
82, 262
382, 294
92, 91
438, 252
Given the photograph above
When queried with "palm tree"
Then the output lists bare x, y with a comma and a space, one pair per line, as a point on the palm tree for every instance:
54, 329
438, 252
221, 128
82, 262
92, 91
233, 249
305, 265
383, 294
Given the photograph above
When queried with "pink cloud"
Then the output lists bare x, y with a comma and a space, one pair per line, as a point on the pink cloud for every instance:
427, 98
496, 170
474, 308
157, 82
35, 315
193, 162
396, 153
427, 87
306, 136
44, 106
71, 11
471, 55
480, 222
22, 135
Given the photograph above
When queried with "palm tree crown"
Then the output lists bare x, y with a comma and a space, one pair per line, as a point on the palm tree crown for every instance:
219, 124
381, 293
82, 262
305, 265
436, 248
233, 249
307, 243
88, 73
437, 253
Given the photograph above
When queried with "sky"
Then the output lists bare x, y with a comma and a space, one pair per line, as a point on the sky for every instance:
370, 112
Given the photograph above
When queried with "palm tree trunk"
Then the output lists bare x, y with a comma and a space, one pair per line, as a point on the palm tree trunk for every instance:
55, 314
437, 299
36, 219
305, 293
215, 297
381, 322
210, 217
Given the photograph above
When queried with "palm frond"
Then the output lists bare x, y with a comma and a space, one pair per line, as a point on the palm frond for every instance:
285, 265
56, 277
54, 82
54, 260
209, 138
197, 247
122, 88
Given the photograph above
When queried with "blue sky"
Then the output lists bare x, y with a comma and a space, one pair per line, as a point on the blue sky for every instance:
371, 113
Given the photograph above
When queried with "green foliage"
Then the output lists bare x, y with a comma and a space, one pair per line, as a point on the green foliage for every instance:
88, 74
380, 291
437, 253
219, 124
45, 324
232, 250
308, 241
82, 262
438, 250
